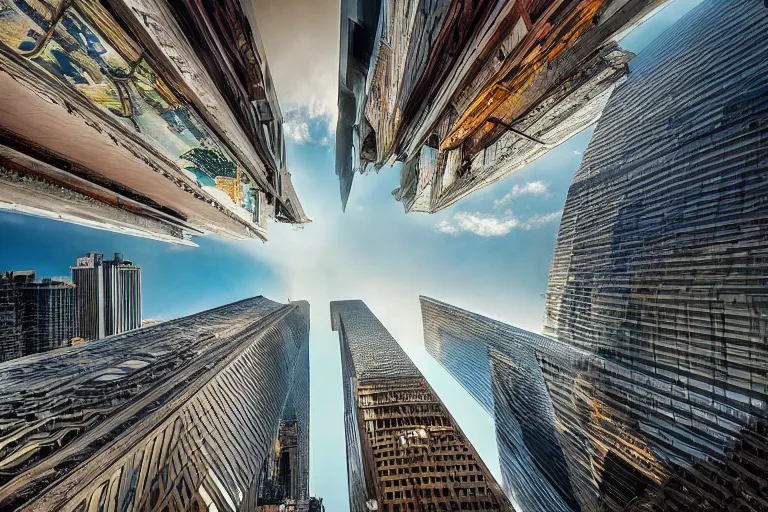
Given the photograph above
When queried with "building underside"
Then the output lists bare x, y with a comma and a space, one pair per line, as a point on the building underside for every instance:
178, 127
466, 93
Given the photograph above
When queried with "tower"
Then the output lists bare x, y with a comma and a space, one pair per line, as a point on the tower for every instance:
659, 272
497, 364
466, 94
404, 450
36, 315
108, 295
177, 416
180, 138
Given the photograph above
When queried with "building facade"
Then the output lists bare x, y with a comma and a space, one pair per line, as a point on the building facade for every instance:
179, 127
465, 95
284, 479
404, 450
595, 432
36, 315
108, 295
659, 271
497, 364
177, 416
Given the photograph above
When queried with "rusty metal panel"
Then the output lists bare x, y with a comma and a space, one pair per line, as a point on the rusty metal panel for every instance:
404, 450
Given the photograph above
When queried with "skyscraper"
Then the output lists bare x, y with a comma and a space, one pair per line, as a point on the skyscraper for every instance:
659, 272
497, 364
404, 450
179, 128
108, 295
466, 94
177, 416
36, 315
359, 22
594, 431
285, 474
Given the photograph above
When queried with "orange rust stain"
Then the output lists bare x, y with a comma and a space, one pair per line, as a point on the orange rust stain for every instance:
496, 95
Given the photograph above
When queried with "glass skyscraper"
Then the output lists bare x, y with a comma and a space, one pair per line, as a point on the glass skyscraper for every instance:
660, 263
181, 415
497, 364
654, 356
36, 315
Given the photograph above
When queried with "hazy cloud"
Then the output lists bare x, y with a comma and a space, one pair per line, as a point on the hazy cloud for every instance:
493, 225
530, 188
301, 39
303, 124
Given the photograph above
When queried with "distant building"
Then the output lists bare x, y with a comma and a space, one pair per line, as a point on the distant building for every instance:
404, 450
187, 101
466, 94
36, 315
177, 416
108, 295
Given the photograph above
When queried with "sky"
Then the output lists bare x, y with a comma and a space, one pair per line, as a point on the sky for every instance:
489, 253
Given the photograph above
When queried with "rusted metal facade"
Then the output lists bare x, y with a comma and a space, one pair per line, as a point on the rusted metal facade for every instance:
404, 450
165, 98
178, 416
465, 93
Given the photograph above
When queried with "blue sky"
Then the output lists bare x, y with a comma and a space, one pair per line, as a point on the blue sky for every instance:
489, 258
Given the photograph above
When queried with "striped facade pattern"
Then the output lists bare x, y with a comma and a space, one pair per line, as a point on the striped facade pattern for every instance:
122, 293
54, 311
11, 339
404, 451
297, 409
108, 295
89, 281
572, 416
497, 364
660, 271
177, 416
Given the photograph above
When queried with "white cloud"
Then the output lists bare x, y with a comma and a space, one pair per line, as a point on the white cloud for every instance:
577, 152
298, 132
493, 225
307, 124
539, 220
530, 188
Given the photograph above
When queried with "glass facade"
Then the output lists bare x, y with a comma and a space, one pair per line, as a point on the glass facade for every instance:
660, 271
177, 416
497, 364
652, 377
36, 315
